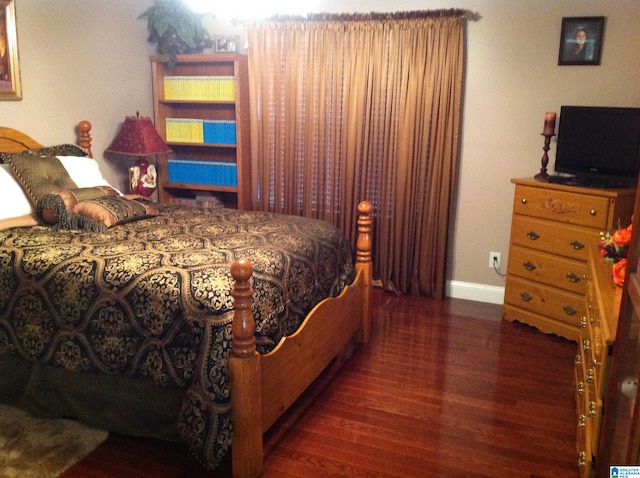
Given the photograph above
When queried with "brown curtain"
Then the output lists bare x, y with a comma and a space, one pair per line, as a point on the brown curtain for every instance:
352, 107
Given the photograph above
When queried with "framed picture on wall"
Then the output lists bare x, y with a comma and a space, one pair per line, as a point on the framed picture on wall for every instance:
581, 40
9, 67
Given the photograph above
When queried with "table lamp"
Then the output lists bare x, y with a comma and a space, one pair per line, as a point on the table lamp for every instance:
138, 137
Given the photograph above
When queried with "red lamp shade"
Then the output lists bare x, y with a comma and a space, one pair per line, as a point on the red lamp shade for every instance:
138, 137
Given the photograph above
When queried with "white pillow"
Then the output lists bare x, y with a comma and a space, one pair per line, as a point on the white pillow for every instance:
14, 201
84, 171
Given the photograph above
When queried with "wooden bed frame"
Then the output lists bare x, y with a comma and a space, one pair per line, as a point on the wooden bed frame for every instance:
264, 386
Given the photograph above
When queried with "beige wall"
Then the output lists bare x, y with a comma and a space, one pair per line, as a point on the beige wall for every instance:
81, 60
89, 60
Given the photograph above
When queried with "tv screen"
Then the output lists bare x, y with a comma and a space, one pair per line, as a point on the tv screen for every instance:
599, 145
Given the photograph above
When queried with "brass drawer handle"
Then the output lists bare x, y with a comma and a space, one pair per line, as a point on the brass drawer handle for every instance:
582, 421
533, 235
591, 376
593, 409
526, 297
524, 201
586, 345
529, 266
569, 310
577, 360
577, 245
593, 212
573, 278
580, 388
583, 322
582, 459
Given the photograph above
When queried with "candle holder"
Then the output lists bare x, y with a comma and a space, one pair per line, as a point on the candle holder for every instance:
542, 175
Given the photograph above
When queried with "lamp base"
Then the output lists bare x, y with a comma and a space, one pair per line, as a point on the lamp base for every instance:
143, 178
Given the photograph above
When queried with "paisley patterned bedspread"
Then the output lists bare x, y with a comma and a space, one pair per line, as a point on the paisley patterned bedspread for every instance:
152, 299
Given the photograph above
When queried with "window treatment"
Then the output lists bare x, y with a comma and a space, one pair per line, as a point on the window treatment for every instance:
353, 107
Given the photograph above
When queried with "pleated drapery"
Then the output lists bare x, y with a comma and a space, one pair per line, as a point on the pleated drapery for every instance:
352, 107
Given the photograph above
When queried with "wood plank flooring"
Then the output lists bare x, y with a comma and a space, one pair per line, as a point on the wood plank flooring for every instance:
445, 388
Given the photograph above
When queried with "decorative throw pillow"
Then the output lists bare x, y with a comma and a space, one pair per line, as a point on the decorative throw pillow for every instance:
112, 210
84, 171
50, 211
39, 175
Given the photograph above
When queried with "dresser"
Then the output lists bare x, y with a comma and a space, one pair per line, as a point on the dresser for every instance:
592, 360
552, 229
619, 442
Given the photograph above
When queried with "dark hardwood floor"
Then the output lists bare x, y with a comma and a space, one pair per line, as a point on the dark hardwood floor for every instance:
445, 388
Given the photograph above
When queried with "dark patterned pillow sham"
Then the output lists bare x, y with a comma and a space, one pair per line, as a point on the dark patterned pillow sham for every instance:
56, 150
39, 175
60, 150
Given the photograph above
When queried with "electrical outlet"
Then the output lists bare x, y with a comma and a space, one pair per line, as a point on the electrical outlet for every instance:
494, 260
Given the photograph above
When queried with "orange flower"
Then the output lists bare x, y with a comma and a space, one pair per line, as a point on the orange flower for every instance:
622, 237
618, 271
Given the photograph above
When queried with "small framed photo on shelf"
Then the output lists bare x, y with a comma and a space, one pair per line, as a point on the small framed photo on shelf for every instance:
581, 40
225, 44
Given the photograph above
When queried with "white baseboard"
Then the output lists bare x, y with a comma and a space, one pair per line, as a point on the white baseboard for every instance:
477, 292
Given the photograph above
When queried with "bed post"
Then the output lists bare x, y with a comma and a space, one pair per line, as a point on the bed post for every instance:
84, 137
363, 263
246, 386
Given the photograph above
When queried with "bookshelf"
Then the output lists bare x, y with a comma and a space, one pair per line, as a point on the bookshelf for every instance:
201, 109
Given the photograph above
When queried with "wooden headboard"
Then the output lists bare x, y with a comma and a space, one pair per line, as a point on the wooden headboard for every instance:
13, 141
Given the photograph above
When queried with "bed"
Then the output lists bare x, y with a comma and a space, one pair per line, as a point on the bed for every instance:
198, 326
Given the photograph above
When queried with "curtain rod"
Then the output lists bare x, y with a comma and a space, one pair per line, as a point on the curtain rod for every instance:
452, 12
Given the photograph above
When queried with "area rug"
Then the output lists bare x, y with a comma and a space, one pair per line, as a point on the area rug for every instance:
38, 448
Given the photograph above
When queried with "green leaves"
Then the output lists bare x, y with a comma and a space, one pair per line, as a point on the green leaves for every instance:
175, 28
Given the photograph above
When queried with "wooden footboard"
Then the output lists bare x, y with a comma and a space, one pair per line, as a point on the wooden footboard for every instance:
264, 386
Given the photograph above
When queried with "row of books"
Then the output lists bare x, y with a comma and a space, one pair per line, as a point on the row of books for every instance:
181, 130
200, 88
197, 171
200, 201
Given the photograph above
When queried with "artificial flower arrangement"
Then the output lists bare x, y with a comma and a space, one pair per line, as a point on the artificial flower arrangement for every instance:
613, 247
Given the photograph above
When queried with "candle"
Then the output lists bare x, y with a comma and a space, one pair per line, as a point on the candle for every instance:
549, 124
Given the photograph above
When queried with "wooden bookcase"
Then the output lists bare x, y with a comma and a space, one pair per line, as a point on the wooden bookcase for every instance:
209, 109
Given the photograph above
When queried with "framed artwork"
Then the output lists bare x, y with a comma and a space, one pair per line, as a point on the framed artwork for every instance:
226, 44
581, 40
10, 88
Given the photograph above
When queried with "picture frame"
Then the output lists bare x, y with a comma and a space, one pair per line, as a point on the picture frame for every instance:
581, 40
225, 44
10, 85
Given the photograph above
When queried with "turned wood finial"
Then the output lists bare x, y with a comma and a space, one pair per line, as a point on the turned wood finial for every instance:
84, 139
363, 243
244, 326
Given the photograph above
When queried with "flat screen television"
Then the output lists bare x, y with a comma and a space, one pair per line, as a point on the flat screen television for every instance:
598, 146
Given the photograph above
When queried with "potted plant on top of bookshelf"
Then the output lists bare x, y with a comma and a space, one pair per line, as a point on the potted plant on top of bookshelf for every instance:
175, 28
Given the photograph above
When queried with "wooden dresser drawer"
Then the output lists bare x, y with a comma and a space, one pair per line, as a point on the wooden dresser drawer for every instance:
568, 274
561, 305
547, 236
561, 206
